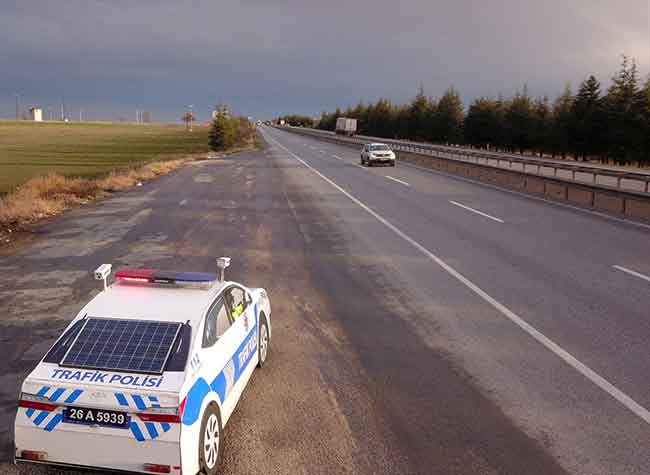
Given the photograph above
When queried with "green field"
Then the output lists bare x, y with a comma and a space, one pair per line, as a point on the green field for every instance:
29, 149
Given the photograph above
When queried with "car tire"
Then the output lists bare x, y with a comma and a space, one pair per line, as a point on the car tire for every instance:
393, 164
263, 342
211, 441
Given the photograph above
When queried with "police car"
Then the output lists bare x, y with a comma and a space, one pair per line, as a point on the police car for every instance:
146, 376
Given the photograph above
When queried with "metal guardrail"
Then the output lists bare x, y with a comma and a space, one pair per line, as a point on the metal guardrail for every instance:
621, 180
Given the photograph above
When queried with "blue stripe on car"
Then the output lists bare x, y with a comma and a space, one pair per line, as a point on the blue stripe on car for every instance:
139, 402
41, 392
121, 399
73, 396
137, 433
151, 428
195, 397
41, 417
57, 394
53, 423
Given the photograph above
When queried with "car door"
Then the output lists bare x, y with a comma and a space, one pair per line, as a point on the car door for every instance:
218, 346
242, 315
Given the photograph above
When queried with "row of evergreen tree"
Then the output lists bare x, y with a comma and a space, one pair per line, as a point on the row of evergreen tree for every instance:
609, 126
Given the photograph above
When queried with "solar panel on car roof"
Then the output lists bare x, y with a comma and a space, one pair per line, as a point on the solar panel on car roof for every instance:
139, 346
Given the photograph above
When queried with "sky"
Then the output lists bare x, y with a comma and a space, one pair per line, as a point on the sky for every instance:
269, 57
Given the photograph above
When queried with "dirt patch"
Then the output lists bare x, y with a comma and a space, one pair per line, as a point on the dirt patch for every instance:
50, 195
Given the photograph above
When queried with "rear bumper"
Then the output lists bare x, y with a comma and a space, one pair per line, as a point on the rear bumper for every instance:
18, 460
98, 451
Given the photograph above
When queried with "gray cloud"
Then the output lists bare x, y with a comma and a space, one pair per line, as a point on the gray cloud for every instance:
275, 56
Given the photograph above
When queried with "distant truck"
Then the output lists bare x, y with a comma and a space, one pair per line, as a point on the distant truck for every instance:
346, 126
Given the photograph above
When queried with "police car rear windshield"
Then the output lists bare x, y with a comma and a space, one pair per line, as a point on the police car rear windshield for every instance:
123, 345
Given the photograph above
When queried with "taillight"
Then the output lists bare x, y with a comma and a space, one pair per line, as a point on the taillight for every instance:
157, 468
39, 406
156, 417
36, 456
171, 415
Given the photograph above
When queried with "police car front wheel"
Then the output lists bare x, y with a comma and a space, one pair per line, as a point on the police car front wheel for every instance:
210, 446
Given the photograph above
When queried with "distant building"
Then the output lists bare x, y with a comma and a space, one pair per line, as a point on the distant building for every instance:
36, 114
221, 110
146, 117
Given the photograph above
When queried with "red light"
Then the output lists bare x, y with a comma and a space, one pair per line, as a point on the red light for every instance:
134, 279
135, 275
181, 408
157, 468
153, 417
39, 406
37, 456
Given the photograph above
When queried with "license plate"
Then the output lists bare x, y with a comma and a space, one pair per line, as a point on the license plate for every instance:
96, 417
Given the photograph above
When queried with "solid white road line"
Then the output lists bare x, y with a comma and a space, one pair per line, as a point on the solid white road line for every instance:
398, 181
337, 157
476, 211
625, 400
631, 272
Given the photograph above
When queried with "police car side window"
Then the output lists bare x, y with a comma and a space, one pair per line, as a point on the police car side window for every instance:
236, 300
216, 323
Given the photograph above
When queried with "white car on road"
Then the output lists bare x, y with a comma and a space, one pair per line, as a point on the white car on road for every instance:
373, 153
146, 376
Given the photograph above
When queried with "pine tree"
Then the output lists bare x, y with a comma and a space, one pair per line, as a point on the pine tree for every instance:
560, 142
587, 119
450, 117
421, 112
624, 114
216, 134
644, 102
542, 124
519, 122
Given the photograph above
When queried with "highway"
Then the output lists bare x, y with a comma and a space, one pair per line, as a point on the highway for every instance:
423, 324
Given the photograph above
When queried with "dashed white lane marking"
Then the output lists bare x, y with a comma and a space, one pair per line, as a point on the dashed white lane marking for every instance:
360, 166
625, 400
398, 181
323, 151
476, 211
633, 273
337, 157
183, 203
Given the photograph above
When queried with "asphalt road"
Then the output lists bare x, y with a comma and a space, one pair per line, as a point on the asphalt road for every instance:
384, 360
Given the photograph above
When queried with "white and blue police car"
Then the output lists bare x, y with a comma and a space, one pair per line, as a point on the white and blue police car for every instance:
146, 376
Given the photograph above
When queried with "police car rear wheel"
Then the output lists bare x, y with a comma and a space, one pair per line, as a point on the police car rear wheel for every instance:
210, 446
264, 342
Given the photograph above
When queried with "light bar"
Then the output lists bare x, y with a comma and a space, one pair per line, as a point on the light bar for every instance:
156, 276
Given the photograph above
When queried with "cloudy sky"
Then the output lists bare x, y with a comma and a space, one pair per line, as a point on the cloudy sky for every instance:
267, 57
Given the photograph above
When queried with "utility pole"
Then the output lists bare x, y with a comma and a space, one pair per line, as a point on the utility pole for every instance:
17, 106
81, 111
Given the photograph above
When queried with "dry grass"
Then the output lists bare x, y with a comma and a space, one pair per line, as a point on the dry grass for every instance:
51, 194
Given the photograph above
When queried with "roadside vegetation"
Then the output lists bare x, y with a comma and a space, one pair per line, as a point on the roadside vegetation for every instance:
298, 120
46, 168
611, 126
228, 132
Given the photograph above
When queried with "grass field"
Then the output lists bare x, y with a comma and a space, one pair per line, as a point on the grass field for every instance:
29, 149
